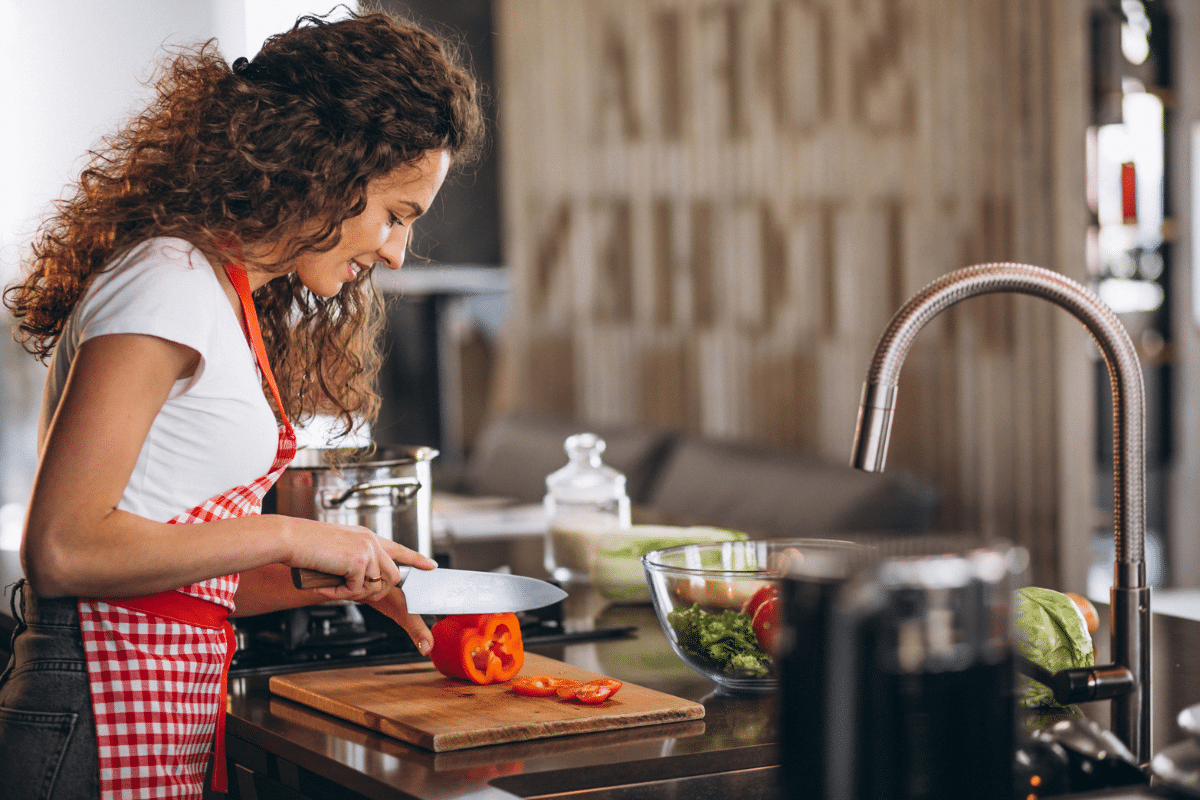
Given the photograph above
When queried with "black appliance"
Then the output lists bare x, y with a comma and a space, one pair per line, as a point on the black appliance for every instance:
898, 682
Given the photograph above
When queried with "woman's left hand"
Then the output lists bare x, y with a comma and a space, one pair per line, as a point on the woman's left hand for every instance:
395, 606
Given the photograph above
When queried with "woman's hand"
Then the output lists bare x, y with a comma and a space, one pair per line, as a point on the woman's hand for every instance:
394, 605
366, 562
269, 588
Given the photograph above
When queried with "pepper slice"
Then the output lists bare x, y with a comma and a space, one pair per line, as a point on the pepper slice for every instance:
482, 648
596, 691
540, 685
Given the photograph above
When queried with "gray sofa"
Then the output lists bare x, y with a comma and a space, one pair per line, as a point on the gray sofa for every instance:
687, 479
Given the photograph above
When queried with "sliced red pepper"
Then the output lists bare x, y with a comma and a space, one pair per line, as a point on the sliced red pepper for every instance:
596, 691
540, 685
482, 648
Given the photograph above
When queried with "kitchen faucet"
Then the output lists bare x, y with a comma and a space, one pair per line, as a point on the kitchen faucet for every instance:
1127, 680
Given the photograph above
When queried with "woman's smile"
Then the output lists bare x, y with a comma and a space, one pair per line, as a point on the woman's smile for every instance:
380, 234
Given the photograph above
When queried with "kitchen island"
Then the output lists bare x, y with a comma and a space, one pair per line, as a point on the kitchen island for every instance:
282, 749
287, 748
276, 743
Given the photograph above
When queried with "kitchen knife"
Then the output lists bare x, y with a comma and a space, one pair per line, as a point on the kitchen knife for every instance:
455, 591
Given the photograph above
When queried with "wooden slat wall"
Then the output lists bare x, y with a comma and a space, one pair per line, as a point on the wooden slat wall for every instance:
713, 207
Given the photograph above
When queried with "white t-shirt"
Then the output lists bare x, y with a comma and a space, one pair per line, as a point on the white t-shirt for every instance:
216, 429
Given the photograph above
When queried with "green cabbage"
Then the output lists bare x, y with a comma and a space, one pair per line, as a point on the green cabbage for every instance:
1052, 633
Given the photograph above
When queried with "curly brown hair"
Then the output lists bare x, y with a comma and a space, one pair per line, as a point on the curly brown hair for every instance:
275, 151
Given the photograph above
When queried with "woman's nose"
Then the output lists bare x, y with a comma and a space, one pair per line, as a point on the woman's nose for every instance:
393, 249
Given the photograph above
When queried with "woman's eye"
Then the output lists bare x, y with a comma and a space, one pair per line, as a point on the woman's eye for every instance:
393, 220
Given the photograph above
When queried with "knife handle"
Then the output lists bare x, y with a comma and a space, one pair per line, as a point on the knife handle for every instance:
314, 579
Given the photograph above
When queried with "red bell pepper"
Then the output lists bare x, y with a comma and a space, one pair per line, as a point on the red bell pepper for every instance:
592, 692
483, 648
541, 685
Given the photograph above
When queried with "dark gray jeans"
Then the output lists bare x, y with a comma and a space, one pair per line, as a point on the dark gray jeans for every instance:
47, 732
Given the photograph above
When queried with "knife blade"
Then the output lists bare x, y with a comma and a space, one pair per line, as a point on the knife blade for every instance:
455, 591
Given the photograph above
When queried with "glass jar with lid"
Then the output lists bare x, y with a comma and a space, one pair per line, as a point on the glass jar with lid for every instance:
584, 500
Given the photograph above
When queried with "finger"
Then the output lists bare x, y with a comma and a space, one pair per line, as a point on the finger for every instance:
388, 576
419, 632
395, 606
357, 578
399, 554
389, 573
377, 589
341, 592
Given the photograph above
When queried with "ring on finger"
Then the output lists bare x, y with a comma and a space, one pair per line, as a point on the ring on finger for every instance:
374, 580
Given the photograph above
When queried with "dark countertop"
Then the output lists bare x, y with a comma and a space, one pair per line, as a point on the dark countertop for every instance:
283, 738
738, 731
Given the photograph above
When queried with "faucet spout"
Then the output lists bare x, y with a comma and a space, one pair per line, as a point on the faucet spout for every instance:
1130, 597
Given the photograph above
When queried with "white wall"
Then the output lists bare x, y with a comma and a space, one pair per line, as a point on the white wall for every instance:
243, 25
70, 70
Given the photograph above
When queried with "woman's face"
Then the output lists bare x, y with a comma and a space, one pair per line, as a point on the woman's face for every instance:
381, 231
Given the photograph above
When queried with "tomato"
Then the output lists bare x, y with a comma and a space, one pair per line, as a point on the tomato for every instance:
761, 596
592, 692
541, 685
766, 625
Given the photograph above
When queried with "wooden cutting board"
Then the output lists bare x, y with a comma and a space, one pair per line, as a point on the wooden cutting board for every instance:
416, 704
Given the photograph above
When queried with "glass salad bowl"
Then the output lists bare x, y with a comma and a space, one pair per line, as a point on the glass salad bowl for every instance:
719, 607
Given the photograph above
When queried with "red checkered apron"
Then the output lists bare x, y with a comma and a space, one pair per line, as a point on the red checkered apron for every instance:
158, 664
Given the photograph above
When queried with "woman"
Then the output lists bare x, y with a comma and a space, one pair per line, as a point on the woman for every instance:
227, 233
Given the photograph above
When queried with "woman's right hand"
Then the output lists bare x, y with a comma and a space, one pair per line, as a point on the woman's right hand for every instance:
367, 562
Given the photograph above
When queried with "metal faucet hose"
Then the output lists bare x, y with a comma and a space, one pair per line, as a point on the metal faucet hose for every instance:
1130, 623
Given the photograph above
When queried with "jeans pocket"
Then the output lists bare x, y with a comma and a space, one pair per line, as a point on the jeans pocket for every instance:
32, 744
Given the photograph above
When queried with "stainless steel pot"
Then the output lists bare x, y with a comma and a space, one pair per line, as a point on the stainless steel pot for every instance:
391, 494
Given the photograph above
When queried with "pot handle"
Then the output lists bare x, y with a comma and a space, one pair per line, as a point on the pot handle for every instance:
408, 486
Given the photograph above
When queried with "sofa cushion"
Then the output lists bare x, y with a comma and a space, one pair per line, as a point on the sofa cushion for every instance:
784, 494
515, 453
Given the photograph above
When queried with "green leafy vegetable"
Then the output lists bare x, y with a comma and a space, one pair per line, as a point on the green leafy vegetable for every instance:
618, 572
724, 642
1052, 633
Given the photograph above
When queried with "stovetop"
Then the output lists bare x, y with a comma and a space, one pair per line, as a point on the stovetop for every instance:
352, 634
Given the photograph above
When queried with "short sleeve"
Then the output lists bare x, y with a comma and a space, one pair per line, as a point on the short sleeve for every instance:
164, 288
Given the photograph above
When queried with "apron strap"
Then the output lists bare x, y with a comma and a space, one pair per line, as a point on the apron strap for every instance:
241, 285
